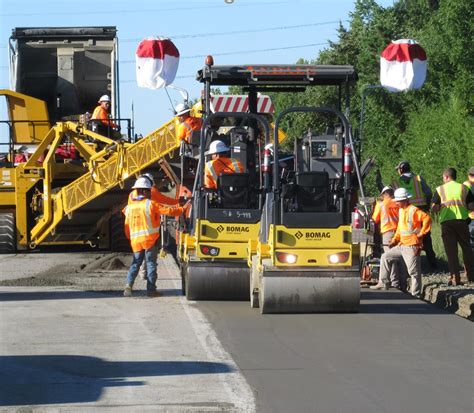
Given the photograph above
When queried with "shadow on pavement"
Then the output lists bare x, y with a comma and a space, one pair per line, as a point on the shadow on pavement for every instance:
60, 379
74, 295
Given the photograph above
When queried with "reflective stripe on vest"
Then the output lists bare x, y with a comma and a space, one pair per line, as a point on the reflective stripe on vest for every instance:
210, 166
212, 170
453, 201
409, 228
149, 230
470, 185
384, 217
413, 186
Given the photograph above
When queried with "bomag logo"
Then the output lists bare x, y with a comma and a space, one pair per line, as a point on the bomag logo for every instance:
317, 235
237, 230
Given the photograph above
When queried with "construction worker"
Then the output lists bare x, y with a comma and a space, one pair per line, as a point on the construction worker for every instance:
22, 155
156, 196
470, 184
451, 200
101, 115
219, 164
406, 244
386, 215
187, 123
420, 197
142, 228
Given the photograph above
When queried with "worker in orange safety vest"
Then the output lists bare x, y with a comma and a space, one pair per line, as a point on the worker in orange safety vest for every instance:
219, 164
156, 196
187, 123
142, 228
386, 215
101, 116
420, 197
406, 244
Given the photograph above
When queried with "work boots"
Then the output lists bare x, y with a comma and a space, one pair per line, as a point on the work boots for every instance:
127, 292
380, 286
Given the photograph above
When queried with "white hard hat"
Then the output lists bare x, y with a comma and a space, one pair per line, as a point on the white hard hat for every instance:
181, 109
149, 176
217, 147
385, 189
142, 183
401, 194
104, 98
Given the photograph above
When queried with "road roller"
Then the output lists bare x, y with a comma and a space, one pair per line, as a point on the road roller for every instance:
305, 261
213, 239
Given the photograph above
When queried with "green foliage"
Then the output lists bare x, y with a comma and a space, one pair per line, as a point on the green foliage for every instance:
432, 128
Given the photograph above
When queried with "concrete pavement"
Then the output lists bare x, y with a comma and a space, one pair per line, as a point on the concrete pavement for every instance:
63, 349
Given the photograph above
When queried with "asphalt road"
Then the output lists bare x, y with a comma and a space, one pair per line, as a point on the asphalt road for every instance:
397, 355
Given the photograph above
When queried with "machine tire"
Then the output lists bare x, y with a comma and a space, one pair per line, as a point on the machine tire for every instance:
118, 240
7, 233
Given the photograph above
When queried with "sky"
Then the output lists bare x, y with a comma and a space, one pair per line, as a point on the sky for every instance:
244, 32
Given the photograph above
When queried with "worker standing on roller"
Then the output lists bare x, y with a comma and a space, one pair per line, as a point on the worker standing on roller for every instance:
142, 228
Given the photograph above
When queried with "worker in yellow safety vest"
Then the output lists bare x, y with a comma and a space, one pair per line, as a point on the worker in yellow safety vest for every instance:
406, 244
451, 200
420, 196
470, 184
220, 164
142, 228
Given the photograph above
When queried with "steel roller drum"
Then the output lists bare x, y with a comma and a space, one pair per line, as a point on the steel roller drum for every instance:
217, 281
306, 291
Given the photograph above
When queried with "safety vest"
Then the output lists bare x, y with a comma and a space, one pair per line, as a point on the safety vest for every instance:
470, 185
410, 224
143, 223
386, 213
187, 127
388, 216
220, 166
413, 186
102, 115
453, 201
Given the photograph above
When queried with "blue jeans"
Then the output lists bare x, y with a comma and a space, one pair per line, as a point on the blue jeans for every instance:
150, 256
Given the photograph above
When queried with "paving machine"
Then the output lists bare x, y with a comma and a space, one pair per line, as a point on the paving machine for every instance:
305, 260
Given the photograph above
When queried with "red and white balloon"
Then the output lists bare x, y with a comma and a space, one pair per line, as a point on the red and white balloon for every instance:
157, 61
403, 66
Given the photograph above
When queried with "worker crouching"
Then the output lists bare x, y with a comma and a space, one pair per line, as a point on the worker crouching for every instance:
142, 228
406, 244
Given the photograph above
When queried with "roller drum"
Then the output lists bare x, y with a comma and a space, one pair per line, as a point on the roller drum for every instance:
309, 292
217, 281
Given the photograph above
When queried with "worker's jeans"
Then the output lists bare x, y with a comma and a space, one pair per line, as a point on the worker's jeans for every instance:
412, 262
150, 256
